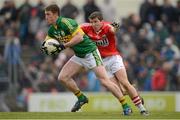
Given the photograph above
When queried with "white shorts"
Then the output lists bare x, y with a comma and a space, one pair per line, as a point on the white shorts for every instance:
90, 61
113, 64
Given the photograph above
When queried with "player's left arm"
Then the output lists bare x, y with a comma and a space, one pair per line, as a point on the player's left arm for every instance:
74, 30
112, 30
77, 37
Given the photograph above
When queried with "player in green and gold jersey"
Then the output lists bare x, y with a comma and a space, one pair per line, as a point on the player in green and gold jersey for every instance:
70, 35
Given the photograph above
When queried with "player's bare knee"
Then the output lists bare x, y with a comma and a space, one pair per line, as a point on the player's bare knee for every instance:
63, 78
104, 82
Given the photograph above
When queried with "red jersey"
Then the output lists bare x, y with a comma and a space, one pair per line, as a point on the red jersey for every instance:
104, 38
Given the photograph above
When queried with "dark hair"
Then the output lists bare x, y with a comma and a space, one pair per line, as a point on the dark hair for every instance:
96, 14
53, 8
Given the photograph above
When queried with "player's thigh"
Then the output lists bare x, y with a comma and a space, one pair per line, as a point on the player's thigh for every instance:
101, 73
115, 68
121, 76
69, 69
113, 64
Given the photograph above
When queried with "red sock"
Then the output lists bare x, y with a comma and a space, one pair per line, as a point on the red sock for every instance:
136, 100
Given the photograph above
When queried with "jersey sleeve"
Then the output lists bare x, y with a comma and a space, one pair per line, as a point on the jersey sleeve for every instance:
85, 27
71, 26
111, 30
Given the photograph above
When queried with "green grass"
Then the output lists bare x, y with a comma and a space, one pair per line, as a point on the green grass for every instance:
86, 115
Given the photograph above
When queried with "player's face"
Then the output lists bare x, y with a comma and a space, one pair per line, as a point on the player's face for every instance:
96, 23
50, 17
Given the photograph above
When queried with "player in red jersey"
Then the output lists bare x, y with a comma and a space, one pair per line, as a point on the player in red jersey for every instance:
103, 33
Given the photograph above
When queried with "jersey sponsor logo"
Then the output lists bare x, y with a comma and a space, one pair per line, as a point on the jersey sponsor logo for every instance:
61, 36
63, 39
104, 42
62, 33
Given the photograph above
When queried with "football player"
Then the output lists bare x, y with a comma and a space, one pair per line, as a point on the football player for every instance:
70, 35
103, 34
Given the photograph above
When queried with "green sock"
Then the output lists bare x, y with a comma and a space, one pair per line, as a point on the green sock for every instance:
123, 102
125, 106
81, 97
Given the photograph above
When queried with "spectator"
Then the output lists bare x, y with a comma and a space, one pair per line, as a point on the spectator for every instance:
168, 11
153, 12
160, 77
9, 11
170, 50
89, 7
150, 33
69, 10
40, 9
142, 78
151, 57
142, 43
12, 55
127, 47
161, 31
133, 66
24, 17
135, 21
178, 11
34, 23
143, 10
109, 10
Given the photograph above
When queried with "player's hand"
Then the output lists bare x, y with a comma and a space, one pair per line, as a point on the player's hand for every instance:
115, 25
59, 47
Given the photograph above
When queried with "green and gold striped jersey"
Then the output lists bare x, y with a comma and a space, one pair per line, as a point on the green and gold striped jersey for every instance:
65, 29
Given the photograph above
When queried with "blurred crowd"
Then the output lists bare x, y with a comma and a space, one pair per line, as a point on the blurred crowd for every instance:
149, 43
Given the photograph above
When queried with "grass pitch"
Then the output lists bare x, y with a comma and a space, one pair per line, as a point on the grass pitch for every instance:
86, 115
